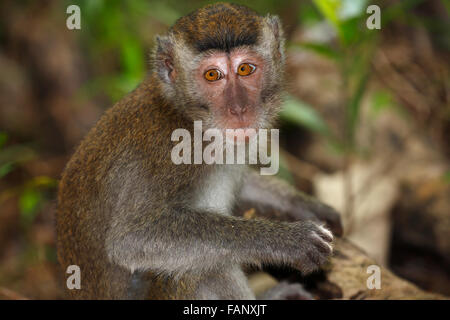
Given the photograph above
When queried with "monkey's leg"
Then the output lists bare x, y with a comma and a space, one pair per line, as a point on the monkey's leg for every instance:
230, 283
274, 198
286, 291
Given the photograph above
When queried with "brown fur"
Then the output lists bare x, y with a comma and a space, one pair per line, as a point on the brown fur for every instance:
219, 26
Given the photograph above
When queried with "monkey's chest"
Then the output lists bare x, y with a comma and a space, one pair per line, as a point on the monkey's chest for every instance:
217, 192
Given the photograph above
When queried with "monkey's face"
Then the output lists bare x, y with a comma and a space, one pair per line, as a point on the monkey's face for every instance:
229, 89
223, 65
235, 89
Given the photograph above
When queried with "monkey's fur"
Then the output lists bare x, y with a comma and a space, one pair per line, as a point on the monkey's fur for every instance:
139, 226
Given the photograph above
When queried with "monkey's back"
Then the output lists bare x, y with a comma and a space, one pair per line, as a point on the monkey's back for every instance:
128, 132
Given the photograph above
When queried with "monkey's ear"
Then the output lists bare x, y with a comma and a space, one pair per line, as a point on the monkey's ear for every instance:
164, 58
275, 27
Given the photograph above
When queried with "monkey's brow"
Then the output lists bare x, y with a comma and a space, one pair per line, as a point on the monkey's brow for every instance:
228, 42
211, 52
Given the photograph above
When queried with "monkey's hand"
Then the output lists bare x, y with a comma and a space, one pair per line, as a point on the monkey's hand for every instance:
309, 246
274, 198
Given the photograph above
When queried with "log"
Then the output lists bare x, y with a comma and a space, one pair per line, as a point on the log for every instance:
345, 277
348, 271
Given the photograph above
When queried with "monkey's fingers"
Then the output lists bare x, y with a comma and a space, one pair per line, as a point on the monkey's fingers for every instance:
332, 219
327, 214
313, 247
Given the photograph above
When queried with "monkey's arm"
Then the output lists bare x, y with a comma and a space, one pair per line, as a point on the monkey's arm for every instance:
184, 240
274, 198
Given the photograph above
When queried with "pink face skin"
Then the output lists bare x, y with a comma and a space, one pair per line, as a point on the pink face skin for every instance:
234, 100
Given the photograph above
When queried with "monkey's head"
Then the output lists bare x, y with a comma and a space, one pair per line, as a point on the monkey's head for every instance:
223, 64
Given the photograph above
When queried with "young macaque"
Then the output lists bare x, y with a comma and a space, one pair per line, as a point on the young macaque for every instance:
140, 226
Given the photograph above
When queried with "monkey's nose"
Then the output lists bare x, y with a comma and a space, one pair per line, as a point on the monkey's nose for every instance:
238, 111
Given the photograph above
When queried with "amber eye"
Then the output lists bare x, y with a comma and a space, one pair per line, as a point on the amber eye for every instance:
213, 75
245, 69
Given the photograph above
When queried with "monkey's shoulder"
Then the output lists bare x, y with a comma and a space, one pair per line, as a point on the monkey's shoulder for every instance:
134, 129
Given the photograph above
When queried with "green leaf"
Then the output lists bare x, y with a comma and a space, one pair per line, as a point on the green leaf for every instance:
300, 113
42, 181
329, 9
352, 8
132, 58
446, 177
346, 16
321, 49
381, 100
351, 31
308, 14
284, 173
29, 203
16, 154
6, 168
355, 105
3, 139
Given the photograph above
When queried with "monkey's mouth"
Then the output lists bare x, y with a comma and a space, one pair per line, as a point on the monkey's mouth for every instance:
239, 135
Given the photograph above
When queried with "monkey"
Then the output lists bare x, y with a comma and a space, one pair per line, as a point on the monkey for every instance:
140, 226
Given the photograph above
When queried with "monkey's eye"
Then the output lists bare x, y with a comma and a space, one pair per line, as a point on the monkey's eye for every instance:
245, 69
213, 75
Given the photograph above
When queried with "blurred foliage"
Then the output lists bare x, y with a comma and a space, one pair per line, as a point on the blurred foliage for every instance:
31, 195
123, 31
110, 31
352, 53
11, 156
447, 177
302, 114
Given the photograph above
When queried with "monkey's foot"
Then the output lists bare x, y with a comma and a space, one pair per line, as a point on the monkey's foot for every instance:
287, 291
